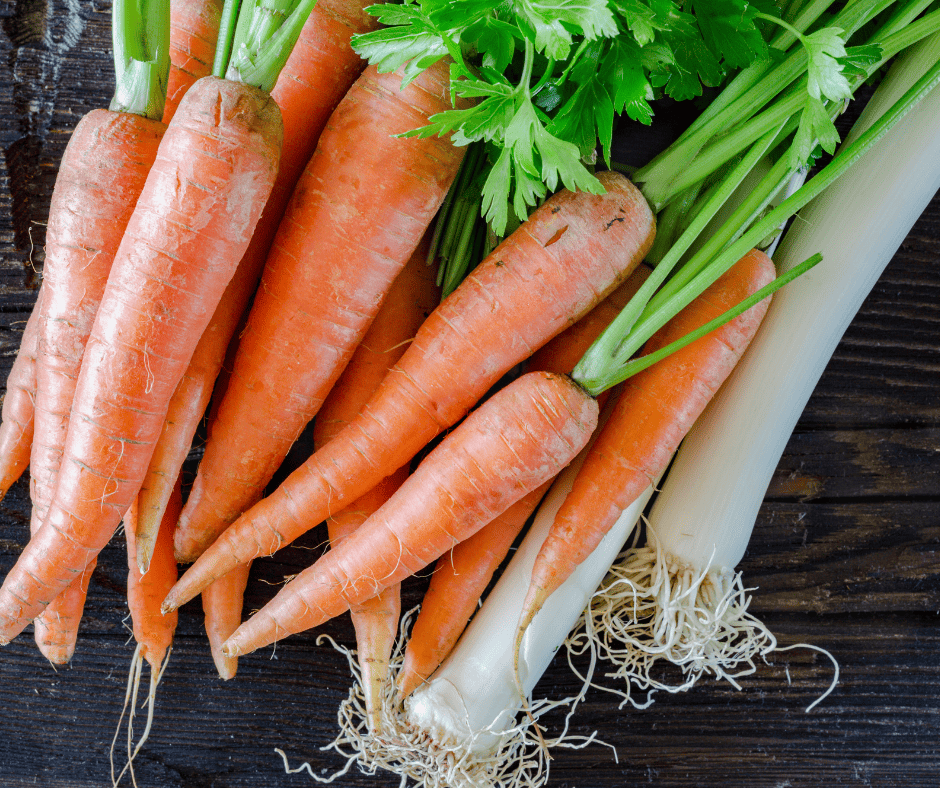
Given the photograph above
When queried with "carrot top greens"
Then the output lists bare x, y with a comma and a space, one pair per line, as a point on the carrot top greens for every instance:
551, 76
256, 38
140, 38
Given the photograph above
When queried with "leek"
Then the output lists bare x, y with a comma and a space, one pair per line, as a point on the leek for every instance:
680, 598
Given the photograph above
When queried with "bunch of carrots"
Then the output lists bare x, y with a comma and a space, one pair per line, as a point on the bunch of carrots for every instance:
216, 250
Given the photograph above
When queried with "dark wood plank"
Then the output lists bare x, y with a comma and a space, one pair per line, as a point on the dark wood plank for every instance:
844, 555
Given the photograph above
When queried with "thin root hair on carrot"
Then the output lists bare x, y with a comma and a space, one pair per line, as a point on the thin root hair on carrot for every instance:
130, 704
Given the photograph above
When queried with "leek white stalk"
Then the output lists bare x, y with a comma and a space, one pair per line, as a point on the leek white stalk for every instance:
466, 728
684, 600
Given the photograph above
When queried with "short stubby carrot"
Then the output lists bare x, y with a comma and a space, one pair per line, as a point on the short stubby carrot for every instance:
222, 614
514, 442
194, 32
100, 178
321, 68
191, 225
572, 252
653, 412
358, 212
153, 630
56, 630
17, 413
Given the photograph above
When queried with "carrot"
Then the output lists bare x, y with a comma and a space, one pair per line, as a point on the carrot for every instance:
563, 352
194, 31
191, 225
462, 575
651, 416
412, 296
514, 442
222, 608
357, 213
458, 582
153, 630
56, 630
16, 416
101, 176
318, 73
572, 251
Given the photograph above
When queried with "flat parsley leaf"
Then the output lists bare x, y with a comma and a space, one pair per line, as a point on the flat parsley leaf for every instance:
410, 38
552, 23
825, 49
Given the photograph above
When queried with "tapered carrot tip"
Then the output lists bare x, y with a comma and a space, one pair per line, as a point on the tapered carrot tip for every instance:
535, 598
408, 678
225, 665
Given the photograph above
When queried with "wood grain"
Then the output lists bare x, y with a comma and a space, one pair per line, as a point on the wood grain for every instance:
844, 555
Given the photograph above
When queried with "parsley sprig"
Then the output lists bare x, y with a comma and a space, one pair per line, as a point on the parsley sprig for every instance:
549, 77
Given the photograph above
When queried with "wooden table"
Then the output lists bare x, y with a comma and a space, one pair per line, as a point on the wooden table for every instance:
844, 555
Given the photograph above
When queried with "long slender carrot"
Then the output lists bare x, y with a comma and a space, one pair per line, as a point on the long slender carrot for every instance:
357, 213
462, 574
573, 251
412, 297
650, 417
459, 579
191, 225
194, 32
318, 73
101, 176
514, 442
16, 415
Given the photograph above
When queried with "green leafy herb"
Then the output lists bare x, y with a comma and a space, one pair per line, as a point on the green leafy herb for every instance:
550, 77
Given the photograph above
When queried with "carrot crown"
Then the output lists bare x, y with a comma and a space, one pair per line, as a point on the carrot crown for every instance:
256, 38
140, 32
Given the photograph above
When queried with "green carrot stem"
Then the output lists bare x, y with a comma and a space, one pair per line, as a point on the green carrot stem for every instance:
659, 177
140, 36
227, 27
640, 363
595, 361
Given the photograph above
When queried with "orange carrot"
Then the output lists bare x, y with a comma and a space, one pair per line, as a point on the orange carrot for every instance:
101, 176
357, 213
56, 630
412, 296
16, 426
319, 71
514, 442
214, 170
222, 608
458, 582
153, 630
651, 416
462, 575
564, 351
194, 32
572, 252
